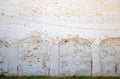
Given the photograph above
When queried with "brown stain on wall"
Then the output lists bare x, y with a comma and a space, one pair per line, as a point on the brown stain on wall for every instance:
1, 62
91, 66
35, 48
34, 51
113, 41
29, 51
63, 75
0, 43
65, 41
44, 65
80, 41
1, 14
38, 41
38, 59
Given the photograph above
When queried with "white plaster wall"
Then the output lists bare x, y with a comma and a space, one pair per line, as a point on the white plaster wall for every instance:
60, 38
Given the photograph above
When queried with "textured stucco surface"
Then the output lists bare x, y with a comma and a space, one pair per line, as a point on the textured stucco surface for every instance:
60, 38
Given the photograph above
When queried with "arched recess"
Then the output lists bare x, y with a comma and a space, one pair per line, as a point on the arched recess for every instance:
75, 57
110, 56
33, 56
4, 59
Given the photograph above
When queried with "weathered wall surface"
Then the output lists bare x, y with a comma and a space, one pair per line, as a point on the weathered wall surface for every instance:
60, 38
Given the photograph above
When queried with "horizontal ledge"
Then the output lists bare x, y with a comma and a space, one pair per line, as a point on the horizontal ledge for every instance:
58, 22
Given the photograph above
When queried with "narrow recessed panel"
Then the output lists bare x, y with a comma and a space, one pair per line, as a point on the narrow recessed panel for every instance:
75, 57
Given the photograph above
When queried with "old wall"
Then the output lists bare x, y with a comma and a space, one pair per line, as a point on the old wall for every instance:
60, 38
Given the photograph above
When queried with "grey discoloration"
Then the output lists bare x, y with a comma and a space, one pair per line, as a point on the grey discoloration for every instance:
116, 68
75, 57
4, 43
109, 56
4, 61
